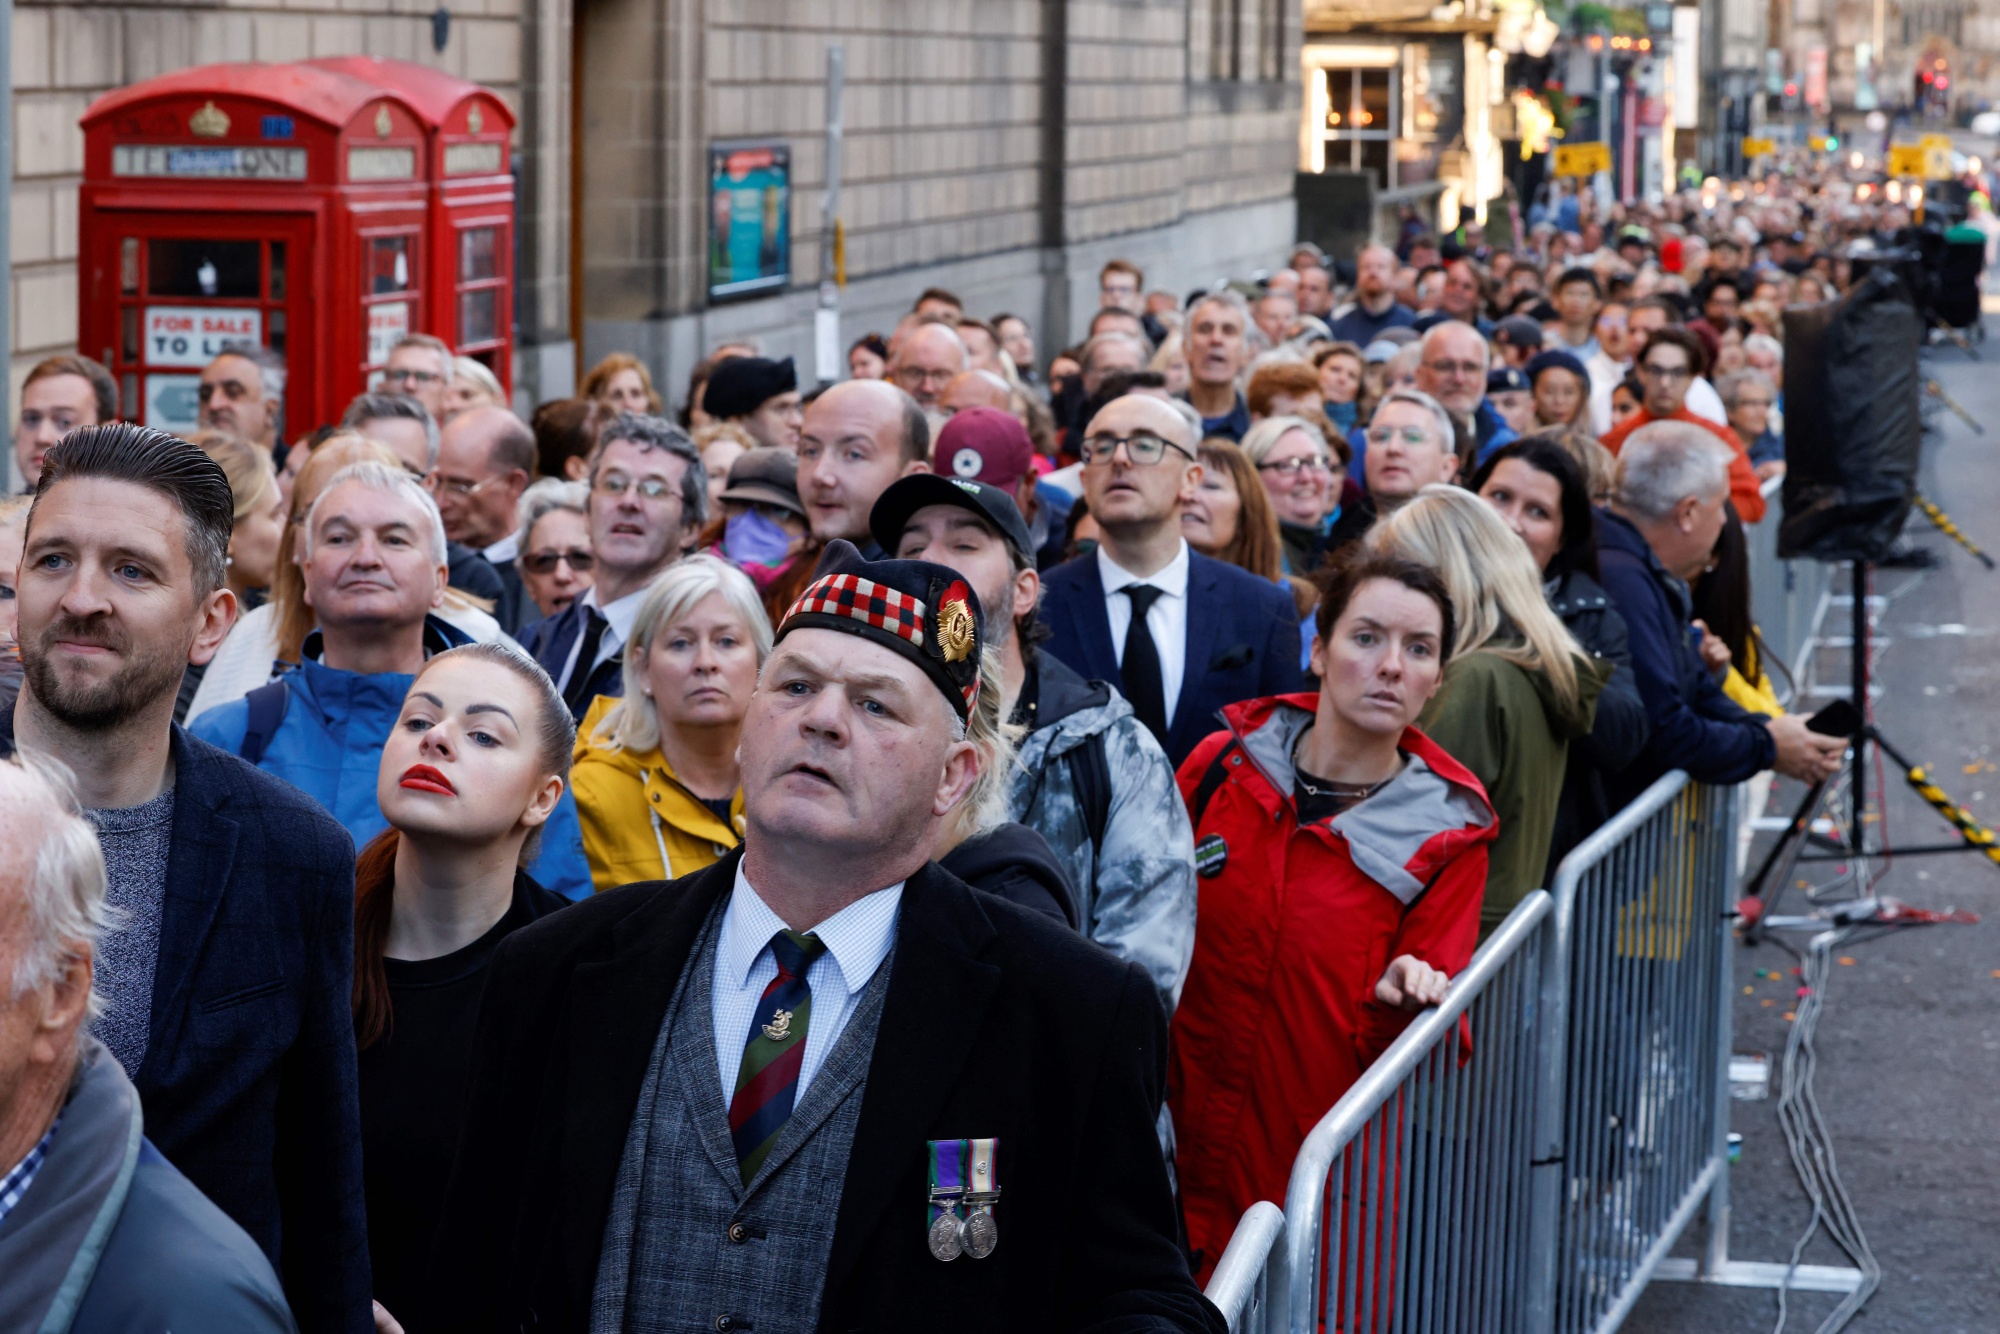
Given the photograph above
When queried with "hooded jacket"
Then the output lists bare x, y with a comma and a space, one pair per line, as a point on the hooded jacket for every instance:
110, 1239
638, 821
1507, 725
1693, 725
1297, 925
1134, 888
1618, 732
329, 746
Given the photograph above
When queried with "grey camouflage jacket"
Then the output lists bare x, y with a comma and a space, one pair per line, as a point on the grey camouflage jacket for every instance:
1135, 896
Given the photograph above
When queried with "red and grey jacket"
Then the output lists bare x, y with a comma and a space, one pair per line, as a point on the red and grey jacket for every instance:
1295, 927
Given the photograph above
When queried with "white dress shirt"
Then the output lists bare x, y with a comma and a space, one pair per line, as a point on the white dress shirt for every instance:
857, 938
504, 551
618, 628
1167, 618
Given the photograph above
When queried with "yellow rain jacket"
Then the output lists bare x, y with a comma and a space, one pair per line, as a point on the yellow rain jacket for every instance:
639, 822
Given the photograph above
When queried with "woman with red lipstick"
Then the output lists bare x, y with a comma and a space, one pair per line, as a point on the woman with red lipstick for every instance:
474, 767
658, 791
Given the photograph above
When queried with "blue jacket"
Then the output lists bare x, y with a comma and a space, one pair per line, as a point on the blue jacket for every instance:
248, 1083
550, 640
1693, 725
330, 747
1242, 640
110, 1239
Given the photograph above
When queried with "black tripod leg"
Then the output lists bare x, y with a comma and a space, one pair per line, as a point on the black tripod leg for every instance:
1796, 830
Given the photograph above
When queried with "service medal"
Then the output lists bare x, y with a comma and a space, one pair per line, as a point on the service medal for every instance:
981, 1234
945, 1241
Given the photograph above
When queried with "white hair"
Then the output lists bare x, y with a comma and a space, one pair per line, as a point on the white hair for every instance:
1763, 342
545, 497
1665, 463
469, 368
1438, 332
1447, 435
391, 480
65, 887
1261, 439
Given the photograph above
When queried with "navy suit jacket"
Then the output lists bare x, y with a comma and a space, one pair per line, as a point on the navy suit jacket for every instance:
550, 640
1242, 640
248, 1083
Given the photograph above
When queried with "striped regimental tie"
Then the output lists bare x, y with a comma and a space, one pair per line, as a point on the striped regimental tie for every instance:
767, 1082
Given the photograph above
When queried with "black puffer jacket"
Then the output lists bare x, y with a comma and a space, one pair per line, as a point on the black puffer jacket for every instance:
1619, 732
1017, 864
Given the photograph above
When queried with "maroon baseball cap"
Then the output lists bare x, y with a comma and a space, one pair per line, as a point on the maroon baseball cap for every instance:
984, 445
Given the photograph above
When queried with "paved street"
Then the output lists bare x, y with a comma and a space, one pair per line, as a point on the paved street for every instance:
1909, 1038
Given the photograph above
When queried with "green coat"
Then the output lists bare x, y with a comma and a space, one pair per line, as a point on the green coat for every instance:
1506, 725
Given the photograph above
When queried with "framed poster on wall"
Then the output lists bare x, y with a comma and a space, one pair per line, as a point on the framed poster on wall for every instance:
749, 218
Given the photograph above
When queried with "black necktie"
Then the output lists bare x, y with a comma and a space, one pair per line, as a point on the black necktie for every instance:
1144, 685
577, 693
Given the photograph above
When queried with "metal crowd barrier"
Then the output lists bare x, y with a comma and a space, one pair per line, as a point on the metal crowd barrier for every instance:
1525, 1155
1408, 1206
1252, 1280
1632, 1104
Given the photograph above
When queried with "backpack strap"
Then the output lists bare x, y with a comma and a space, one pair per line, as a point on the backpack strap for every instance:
1090, 773
267, 713
1211, 779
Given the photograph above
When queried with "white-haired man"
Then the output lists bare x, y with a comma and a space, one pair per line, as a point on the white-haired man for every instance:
72, 1158
374, 565
1665, 516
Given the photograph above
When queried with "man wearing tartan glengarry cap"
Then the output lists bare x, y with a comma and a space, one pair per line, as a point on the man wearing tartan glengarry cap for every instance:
822, 1084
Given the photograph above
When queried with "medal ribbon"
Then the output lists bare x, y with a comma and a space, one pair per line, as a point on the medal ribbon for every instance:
947, 1176
984, 1180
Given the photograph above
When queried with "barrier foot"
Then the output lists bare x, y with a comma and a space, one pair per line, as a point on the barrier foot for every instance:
1762, 1274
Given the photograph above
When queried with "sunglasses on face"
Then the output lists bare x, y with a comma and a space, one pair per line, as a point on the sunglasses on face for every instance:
545, 562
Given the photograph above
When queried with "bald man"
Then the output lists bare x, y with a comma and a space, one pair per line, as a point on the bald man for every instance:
1453, 370
923, 363
975, 389
1180, 634
858, 437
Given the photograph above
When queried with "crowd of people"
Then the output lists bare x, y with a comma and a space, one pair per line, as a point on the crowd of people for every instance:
603, 870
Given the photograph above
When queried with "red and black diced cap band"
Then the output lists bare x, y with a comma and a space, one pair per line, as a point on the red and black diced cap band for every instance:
925, 612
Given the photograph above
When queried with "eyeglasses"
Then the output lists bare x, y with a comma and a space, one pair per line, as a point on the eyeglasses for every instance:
1142, 447
1293, 467
1455, 367
1409, 435
616, 484
403, 374
545, 562
1659, 372
452, 486
912, 375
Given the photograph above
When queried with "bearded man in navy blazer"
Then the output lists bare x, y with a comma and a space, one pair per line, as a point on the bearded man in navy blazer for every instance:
1182, 635
229, 979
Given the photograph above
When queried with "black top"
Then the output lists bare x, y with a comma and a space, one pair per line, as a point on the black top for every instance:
721, 806
412, 1083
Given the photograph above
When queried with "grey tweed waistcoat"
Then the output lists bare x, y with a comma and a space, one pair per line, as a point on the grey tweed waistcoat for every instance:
687, 1246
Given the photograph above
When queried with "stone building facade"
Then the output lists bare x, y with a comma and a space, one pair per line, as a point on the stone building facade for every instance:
1002, 148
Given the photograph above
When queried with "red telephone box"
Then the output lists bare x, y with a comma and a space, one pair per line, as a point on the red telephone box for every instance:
471, 278
290, 205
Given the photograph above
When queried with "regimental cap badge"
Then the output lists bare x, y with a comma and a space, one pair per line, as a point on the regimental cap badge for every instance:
383, 125
211, 122
474, 122
957, 631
